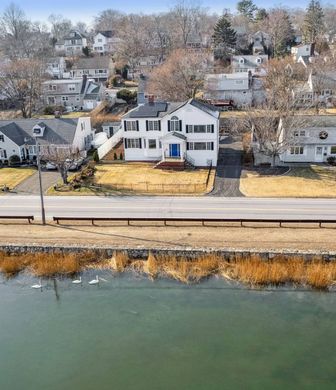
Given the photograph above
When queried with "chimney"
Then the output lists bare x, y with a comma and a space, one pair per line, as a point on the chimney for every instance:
151, 99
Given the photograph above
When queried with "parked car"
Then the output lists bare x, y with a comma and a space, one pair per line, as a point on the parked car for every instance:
50, 166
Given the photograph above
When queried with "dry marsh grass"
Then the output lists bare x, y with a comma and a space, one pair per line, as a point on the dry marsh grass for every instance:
252, 270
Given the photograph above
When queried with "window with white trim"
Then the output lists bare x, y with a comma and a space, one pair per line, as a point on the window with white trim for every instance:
131, 125
152, 144
3, 153
65, 98
72, 88
200, 146
200, 128
175, 124
2, 138
297, 150
153, 125
133, 143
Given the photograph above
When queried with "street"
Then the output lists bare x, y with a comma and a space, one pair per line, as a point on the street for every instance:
188, 207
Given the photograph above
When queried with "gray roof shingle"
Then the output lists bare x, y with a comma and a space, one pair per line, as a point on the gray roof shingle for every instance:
57, 130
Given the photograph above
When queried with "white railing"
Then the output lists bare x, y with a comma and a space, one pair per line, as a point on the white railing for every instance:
110, 144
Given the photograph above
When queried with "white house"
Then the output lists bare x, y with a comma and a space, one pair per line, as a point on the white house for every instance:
97, 68
72, 44
304, 51
229, 86
104, 42
17, 135
250, 63
110, 128
313, 142
186, 133
56, 67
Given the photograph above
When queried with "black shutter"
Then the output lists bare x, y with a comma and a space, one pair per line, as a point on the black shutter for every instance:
159, 125
168, 125
212, 128
146, 125
140, 143
137, 125
180, 129
125, 126
125, 143
212, 145
187, 145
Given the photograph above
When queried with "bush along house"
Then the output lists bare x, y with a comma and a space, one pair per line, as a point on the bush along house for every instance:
176, 135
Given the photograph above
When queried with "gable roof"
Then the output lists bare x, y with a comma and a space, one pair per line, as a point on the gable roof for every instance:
161, 109
107, 34
99, 62
57, 130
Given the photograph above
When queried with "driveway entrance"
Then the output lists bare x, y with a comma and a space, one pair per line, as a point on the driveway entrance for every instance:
228, 170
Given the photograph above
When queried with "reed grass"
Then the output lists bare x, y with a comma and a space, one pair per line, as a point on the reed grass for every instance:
253, 270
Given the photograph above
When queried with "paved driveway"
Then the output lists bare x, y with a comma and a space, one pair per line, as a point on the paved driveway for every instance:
31, 185
228, 168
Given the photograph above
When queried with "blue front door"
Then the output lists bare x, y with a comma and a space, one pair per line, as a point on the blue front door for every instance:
174, 150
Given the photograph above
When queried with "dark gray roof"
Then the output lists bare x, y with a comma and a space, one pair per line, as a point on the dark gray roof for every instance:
107, 34
206, 107
178, 135
161, 109
153, 110
57, 130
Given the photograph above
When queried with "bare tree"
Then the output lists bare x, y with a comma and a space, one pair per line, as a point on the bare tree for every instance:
20, 82
60, 26
109, 20
180, 77
62, 156
279, 26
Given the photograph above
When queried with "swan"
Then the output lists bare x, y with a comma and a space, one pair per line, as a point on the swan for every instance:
77, 281
37, 285
94, 281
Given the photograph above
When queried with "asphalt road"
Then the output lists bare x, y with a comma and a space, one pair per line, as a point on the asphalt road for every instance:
189, 207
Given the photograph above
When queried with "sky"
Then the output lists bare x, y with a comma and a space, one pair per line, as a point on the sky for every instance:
84, 10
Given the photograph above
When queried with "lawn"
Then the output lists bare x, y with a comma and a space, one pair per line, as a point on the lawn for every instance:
315, 181
11, 177
141, 177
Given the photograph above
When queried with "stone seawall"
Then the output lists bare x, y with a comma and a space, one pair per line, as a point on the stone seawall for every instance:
142, 253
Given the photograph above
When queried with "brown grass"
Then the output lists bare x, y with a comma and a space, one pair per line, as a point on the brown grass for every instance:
314, 181
11, 177
252, 270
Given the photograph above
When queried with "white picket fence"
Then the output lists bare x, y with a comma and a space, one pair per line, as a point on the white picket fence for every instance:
109, 144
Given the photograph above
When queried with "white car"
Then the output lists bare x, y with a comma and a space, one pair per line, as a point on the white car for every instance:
50, 166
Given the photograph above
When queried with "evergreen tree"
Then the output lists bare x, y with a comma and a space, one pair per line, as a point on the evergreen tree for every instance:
261, 15
313, 24
247, 8
224, 37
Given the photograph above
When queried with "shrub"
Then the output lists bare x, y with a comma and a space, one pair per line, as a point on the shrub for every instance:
127, 95
14, 160
121, 157
96, 156
115, 157
50, 110
331, 160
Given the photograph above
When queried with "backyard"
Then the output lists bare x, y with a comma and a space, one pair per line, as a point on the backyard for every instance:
11, 177
315, 181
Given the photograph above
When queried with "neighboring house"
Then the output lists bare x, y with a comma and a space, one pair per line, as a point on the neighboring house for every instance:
236, 87
313, 143
110, 128
160, 131
97, 68
305, 51
261, 43
248, 63
319, 87
105, 43
72, 44
78, 94
56, 67
17, 135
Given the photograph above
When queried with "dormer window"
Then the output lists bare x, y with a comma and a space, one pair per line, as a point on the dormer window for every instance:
38, 130
259, 60
241, 61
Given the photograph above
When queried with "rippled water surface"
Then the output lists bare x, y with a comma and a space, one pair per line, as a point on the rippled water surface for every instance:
132, 333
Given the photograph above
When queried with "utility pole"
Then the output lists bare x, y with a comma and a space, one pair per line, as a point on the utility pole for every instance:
40, 180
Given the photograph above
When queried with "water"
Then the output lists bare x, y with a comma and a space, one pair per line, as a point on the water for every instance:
132, 333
